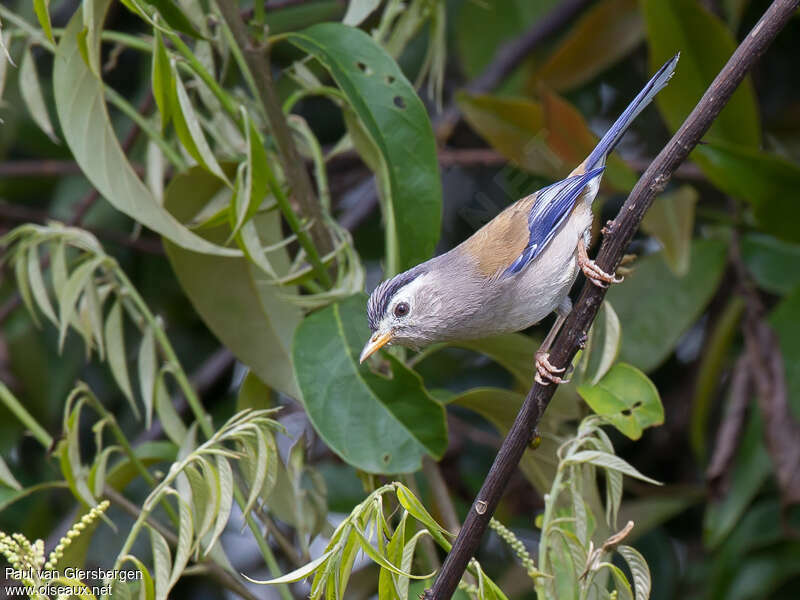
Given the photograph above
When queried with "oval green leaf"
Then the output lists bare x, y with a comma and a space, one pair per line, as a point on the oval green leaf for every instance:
398, 124
375, 423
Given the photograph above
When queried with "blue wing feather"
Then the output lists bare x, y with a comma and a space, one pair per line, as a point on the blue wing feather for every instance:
548, 213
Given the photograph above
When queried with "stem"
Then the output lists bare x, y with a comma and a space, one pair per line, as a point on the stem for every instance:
293, 166
24, 416
575, 329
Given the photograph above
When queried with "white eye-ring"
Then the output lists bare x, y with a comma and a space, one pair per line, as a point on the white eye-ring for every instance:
401, 310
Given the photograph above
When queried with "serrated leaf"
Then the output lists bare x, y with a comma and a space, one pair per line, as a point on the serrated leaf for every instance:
398, 124
627, 398
147, 373
184, 547
162, 563
671, 220
639, 570
225, 501
608, 461
86, 126
188, 128
117, 356
31, 90
391, 423
297, 574
169, 417
69, 293
603, 34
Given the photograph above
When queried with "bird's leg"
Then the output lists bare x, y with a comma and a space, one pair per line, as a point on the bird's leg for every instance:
594, 273
546, 372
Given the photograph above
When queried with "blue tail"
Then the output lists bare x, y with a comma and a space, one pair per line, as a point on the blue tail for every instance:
612, 137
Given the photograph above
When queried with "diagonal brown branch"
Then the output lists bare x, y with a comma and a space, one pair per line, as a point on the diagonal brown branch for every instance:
620, 233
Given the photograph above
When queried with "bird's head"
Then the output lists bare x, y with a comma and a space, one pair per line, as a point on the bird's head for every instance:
403, 310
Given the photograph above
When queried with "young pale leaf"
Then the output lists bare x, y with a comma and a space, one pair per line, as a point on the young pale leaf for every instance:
614, 486
24, 286
184, 548
187, 126
147, 373
623, 586
225, 501
370, 551
608, 461
7, 478
627, 398
38, 286
31, 90
117, 358
671, 220
415, 508
407, 559
358, 11
256, 483
86, 126
201, 501
392, 423
146, 587
388, 588
162, 562
97, 474
94, 310
297, 574
639, 569
398, 124
69, 293
170, 419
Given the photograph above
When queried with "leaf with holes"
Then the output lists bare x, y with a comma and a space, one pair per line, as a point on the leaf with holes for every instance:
87, 130
627, 398
396, 120
376, 423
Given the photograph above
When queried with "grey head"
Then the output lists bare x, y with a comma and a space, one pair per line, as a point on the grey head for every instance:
432, 302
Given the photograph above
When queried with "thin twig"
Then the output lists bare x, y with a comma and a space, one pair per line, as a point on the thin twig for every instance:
574, 331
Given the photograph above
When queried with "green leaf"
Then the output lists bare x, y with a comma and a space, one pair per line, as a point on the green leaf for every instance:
162, 563
705, 44
607, 461
785, 321
243, 308
606, 32
253, 393
375, 423
184, 546
766, 181
627, 398
605, 339
170, 420
378, 558
173, 15
86, 127
398, 124
188, 128
500, 408
42, 9
657, 307
68, 295
225, 501
415, 508
162, 79
750, 469
117, 358
146, 588
7, 477
771, 262
639, 569
297, 574
31, 90
147, 374
9, 497
671, 220
513, 351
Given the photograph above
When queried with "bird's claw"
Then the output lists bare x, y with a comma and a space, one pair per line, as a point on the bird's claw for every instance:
546, 371
596, 275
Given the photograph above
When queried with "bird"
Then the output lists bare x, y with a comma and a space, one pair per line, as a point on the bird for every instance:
514, 271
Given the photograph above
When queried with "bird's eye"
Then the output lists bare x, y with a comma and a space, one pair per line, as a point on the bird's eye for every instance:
401, 310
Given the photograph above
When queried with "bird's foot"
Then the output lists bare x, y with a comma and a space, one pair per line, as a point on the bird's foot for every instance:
595, 274
546, 372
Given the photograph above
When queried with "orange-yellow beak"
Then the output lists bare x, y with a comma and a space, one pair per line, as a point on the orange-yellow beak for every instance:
375, 343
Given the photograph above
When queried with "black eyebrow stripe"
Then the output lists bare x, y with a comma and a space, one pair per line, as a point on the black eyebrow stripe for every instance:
383, 294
